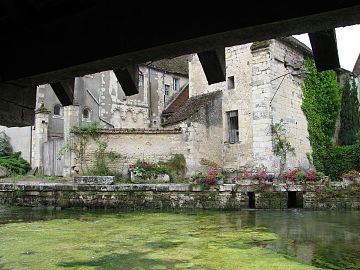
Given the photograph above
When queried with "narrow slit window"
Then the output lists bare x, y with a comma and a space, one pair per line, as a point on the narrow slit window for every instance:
141, 81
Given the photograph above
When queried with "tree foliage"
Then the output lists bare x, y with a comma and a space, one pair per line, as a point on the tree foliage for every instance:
349, 114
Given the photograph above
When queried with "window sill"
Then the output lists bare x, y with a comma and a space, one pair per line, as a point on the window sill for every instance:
238, 142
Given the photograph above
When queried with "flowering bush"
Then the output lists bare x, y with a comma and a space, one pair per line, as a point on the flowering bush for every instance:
351, 175
298, 175
261, 175
147, 170
211, 178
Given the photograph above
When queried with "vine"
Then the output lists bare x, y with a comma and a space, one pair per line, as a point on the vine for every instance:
281, 145
79, 146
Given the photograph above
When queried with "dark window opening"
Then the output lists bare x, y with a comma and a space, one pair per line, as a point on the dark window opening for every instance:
86, 114
231, 82
57, 110
251, 196
233, 126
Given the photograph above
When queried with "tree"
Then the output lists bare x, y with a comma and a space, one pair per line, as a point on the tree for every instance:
349, 114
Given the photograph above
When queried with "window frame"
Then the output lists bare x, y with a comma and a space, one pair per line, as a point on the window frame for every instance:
167, 89
176, 84
232, 126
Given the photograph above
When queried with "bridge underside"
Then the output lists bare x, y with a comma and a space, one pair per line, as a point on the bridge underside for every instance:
53, 41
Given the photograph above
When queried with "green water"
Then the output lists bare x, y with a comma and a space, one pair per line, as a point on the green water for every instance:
78, 239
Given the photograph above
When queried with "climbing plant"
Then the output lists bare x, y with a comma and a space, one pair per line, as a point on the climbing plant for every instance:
78, 145
349, 114
321, 104
281, 145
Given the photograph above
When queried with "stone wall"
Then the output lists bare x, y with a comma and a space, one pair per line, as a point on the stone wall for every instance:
132, 196
287, 100
151, 145
169, 196
338, 200
202, 139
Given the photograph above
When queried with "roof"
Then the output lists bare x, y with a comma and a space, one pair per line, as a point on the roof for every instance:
179, 100
177, 65
191, 106
356, 69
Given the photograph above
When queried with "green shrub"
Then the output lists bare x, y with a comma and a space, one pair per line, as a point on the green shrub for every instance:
175, 167
341, 159
15, 164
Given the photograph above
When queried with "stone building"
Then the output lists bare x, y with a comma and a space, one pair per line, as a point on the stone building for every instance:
229, 123
100, 98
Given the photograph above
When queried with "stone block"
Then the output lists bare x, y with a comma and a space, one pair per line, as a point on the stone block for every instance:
94, 180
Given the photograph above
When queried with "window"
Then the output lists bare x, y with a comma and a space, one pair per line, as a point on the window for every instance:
141, 80
58, 110
86, 114
231, 82
167, 89
233, 126
176, 84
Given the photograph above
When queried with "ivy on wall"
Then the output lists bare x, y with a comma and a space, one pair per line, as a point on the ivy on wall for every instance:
321, 104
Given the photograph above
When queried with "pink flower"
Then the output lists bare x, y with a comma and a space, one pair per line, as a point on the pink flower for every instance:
213, 172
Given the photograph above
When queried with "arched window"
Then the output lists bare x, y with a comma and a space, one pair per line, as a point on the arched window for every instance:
86, 114
58, 110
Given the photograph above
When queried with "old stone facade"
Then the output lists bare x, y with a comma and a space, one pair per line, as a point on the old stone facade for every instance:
100, 98
226, 124
263, 86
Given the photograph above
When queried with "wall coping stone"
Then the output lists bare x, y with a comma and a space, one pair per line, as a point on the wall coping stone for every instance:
140, 131
171, 187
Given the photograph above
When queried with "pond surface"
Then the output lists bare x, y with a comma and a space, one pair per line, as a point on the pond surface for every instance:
33, 238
